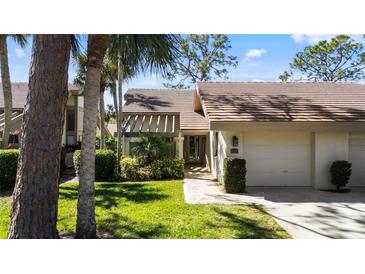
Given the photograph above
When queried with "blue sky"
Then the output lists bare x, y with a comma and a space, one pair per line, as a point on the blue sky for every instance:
261, 58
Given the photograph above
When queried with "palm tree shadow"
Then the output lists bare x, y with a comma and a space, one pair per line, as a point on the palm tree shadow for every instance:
122, 227
242, 224
110, 195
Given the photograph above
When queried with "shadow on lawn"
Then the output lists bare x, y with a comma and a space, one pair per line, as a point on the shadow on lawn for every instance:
122, 227
245, 227
109, 195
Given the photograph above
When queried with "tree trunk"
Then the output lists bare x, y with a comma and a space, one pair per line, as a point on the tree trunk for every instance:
86, 225
120, 109
102, 119
5, 80
35, 197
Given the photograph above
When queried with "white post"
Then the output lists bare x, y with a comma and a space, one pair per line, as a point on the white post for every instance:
181, 146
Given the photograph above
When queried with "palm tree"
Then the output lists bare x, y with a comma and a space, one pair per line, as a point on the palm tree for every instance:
20, 39
136, 53
151, 148
107, 80
86, 225
35, 197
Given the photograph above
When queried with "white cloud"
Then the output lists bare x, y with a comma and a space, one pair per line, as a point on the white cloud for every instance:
254, 53
258, 80
315, 38
19, 53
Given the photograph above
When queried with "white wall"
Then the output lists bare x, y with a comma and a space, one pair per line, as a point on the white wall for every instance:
357, 158
328, 147
304, 158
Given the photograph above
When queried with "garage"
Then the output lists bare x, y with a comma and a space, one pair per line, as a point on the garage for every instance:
277, 158
357, 158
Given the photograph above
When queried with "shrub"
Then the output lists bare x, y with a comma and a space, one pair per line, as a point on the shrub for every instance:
173, 168
8, 167
234, 180
135, 169
129, 167
105, 164
340, 173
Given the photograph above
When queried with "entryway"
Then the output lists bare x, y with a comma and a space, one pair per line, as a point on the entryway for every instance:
194, 149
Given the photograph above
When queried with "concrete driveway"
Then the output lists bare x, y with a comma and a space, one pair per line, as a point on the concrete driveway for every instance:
309, 213
303, 211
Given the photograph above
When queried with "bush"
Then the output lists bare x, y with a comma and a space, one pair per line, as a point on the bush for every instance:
234, 180
173, 168
105, 165
8, 167
135, 169
340, 173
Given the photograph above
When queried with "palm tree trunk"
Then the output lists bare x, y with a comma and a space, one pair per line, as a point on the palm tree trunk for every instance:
5, 79
120, 109
102, 119
86, 225
35, 197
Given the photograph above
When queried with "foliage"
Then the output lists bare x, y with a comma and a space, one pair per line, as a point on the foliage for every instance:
340, 59
136, 169
8, 168
138, 53
157, 210
105, 165
234, 180
110, 142
340, 173
110, 113
201, 58
152, 148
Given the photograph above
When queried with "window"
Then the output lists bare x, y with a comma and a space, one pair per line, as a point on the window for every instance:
215, 143
70, 120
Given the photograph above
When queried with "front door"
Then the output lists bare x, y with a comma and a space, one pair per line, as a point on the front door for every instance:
195, 149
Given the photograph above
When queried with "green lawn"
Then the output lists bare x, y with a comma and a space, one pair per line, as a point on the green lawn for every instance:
157, 210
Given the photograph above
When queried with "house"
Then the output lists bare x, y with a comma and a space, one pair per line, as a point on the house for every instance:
72, 132
289, 133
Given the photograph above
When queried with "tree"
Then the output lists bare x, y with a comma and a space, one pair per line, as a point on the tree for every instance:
20, 39
152, 147
110, 114
134, 53
340, 59
201, 58
86, 225
108, 78
35, 197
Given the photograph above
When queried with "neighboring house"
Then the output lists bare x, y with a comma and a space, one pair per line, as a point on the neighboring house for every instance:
72, 132
289, 133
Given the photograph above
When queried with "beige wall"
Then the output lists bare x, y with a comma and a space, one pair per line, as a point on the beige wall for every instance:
328, 147
357, 158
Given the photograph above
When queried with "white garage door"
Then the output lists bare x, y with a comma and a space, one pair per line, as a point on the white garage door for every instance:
277, 159
357, 158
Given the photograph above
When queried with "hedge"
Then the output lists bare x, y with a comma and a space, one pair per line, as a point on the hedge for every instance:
8, 167
340, 173
106, 165
234, 180
134, 169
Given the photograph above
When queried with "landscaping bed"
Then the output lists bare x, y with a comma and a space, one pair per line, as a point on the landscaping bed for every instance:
157, 210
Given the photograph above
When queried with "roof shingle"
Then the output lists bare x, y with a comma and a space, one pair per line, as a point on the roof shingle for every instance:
256, 102
166, 101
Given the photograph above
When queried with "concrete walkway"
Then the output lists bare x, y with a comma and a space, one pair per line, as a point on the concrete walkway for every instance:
302, 211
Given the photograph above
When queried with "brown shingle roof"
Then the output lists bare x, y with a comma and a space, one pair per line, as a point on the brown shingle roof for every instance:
254, 102
19, 93
166, 101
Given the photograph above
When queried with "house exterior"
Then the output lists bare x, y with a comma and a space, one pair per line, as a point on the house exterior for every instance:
289, 133
72, 132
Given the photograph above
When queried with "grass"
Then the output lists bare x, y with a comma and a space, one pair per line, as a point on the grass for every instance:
157, 210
